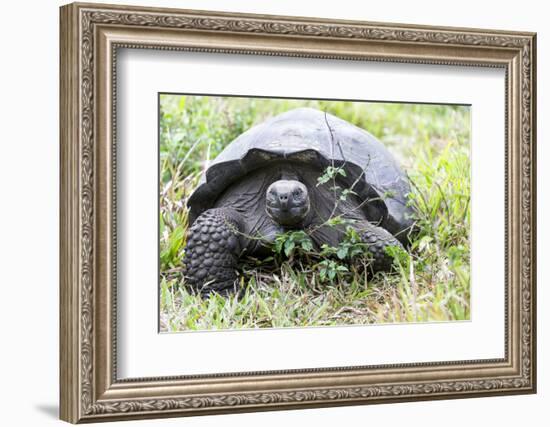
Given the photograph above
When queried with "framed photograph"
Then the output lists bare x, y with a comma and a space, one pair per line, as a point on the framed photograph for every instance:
267, 212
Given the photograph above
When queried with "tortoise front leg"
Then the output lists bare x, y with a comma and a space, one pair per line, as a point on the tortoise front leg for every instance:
212, 251
377, 239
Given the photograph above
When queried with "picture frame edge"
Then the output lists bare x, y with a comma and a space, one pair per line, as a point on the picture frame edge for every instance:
79, 399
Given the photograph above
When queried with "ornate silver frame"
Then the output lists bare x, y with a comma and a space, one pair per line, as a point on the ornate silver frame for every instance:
90, 36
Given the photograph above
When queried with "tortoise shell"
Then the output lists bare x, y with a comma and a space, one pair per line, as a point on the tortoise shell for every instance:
307, 135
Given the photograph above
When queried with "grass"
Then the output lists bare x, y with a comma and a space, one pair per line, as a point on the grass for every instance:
430, 283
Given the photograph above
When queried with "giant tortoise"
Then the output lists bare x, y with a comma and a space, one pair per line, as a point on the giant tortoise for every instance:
267, 181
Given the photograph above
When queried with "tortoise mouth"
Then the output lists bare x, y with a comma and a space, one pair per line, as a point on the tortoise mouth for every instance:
287, 202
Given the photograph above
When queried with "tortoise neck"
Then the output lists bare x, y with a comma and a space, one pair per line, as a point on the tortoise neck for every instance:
289, 173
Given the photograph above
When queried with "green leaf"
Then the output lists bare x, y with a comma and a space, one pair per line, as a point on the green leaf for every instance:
279, 242
323, 179
342, 252
307, 245
345, 193
337, 220
289, 247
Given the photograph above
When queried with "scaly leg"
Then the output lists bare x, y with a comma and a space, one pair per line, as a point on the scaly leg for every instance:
212, 251
377, 239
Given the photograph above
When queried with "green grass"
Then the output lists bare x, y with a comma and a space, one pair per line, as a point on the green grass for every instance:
430, 283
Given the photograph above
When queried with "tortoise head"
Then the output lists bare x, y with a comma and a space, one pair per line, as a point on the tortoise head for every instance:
287, 202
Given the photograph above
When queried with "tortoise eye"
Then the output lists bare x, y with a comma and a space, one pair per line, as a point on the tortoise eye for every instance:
296, 193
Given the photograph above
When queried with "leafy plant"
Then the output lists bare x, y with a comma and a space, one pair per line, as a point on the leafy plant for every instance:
290, 242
